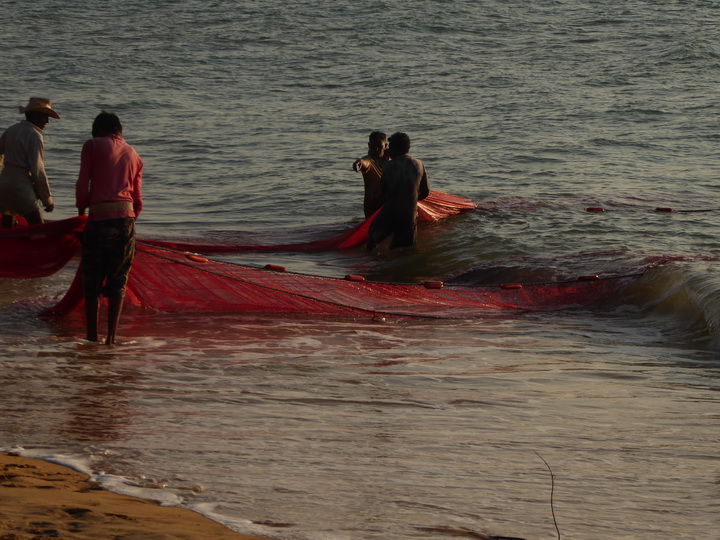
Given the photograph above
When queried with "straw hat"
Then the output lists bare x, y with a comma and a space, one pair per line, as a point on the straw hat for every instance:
40, 105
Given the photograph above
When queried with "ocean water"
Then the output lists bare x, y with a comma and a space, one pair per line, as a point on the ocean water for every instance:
248, 116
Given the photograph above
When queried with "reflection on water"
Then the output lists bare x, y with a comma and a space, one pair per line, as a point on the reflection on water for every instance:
96, 398
422, 425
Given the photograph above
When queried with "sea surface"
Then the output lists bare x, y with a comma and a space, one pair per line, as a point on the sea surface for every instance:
248, 116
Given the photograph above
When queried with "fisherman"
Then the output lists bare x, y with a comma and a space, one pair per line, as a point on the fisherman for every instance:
371, 168
110, 186
404, 182
23, 181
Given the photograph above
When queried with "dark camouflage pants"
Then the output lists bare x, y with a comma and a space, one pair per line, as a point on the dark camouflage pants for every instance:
107, 254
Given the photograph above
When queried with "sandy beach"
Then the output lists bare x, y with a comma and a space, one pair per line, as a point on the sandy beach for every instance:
43, 500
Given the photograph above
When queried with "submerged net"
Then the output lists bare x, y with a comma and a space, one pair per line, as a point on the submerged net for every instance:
41, 250
434, 207
173, 281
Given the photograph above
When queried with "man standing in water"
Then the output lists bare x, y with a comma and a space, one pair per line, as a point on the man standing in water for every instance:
371, 168
110, 185
404, 183
23, 181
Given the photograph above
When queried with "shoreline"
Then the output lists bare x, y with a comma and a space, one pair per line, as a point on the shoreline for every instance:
42, 499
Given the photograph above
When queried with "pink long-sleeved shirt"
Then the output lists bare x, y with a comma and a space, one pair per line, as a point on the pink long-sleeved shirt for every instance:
110, 172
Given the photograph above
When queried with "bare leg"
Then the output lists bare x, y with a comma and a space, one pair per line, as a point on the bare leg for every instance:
91, 317
34, 218
115, 304
8, 221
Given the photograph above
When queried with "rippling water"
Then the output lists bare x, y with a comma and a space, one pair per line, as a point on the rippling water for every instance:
248, 115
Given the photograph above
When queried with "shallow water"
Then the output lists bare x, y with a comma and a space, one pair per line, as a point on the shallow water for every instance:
248, 116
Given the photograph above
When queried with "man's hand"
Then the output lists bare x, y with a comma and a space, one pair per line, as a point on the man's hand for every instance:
359, 165
50, 207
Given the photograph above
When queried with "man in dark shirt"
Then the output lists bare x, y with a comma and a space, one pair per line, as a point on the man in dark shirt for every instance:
404, 183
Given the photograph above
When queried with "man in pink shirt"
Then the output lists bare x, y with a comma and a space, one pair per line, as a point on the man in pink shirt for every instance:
110, 186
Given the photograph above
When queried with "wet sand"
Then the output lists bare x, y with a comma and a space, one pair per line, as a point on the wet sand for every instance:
44, 500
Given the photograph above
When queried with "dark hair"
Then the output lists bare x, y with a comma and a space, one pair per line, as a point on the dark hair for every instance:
106, 123
400, 142
376, 137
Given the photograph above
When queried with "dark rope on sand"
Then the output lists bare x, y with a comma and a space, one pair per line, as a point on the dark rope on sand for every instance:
552, 492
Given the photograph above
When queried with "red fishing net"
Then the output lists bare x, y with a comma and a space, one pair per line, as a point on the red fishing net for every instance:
166, 276
167, 280
39, 250
434, 207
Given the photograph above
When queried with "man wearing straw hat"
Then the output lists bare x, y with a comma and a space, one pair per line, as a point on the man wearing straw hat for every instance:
23, 181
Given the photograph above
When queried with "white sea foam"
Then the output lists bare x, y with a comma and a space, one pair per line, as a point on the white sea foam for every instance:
78, 462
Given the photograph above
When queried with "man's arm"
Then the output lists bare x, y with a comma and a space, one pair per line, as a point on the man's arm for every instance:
2, 147
137, 190
361, 164
82, 187
424, 189
35, 150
